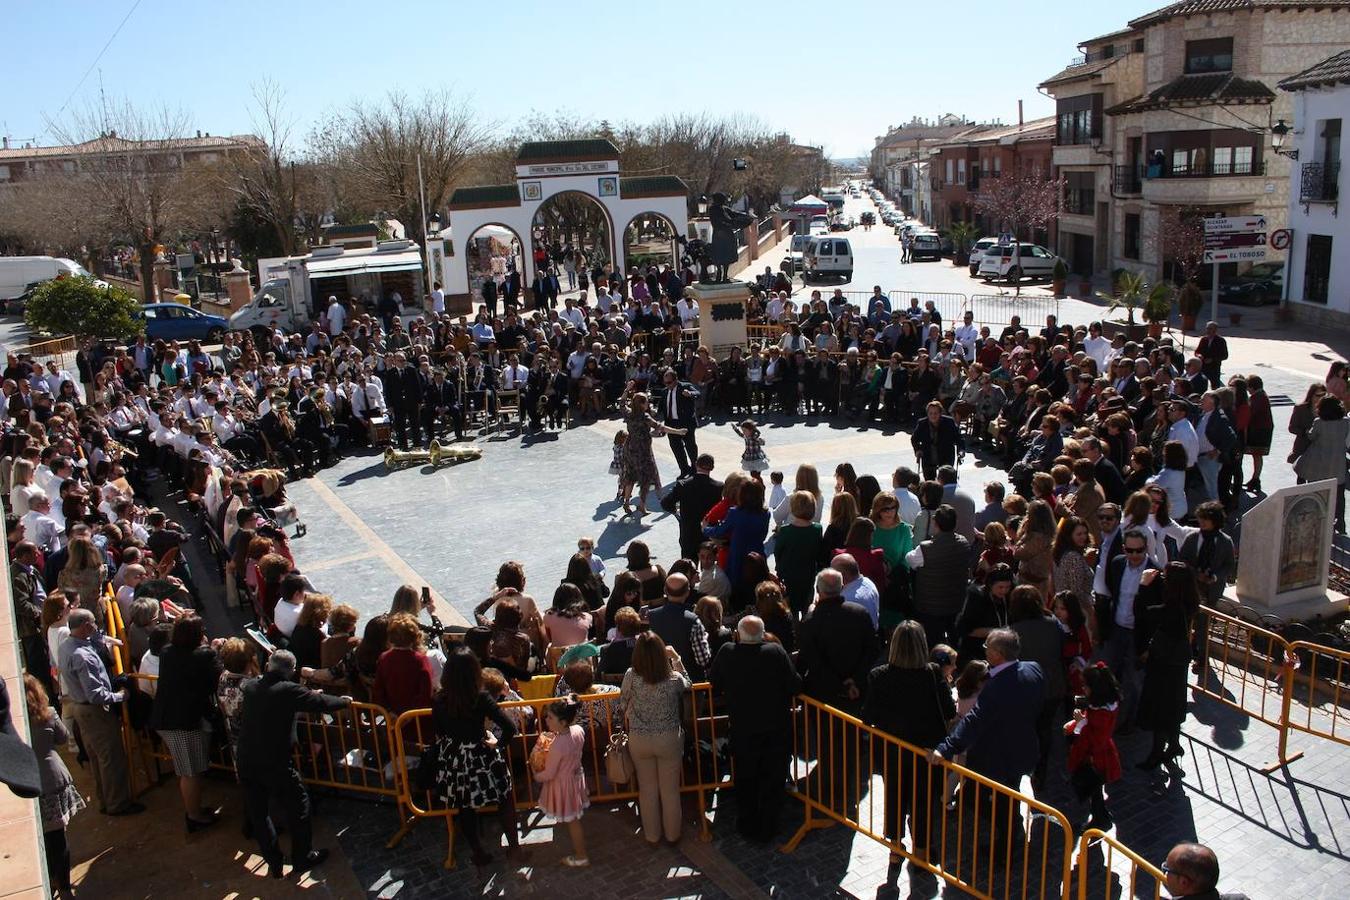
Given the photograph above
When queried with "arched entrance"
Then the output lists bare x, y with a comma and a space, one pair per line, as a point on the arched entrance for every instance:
572, 225
491, 252
650, 239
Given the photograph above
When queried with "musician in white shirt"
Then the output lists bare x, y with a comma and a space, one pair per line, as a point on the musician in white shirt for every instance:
688, 312
967, 335
514, 375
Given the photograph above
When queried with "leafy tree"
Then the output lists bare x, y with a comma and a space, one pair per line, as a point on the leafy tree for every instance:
77, 305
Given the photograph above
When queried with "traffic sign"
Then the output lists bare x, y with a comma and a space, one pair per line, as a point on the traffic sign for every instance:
1235, 254
1281, 239
1238, 239
1233, 224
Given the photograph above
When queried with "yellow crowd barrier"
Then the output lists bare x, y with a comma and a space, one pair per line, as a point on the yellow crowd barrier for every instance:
1102, 879
1320, 685
601, 716
987, 839
1246, 668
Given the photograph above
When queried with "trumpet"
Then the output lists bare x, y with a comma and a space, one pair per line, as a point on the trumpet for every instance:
435, 454
120, 449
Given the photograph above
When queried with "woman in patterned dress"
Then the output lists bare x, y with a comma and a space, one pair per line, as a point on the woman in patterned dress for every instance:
639, 464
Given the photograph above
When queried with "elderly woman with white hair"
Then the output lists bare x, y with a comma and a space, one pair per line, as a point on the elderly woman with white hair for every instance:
760, 684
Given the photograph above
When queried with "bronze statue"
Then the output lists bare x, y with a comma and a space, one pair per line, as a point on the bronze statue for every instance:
723, 250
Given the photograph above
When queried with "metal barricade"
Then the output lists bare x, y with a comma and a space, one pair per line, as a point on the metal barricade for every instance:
61, 350
951, 306
1319, 684
997, 310
987, 839
1242, 666
1129, 876
704, 769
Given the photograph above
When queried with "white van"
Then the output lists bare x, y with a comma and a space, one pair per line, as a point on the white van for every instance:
828, 256
18, 272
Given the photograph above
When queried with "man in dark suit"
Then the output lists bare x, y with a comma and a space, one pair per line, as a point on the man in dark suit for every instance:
998, 735
690, 499
1108, 476
403, 396
760, 683
1209, 552
263, 759
677, 411
936, 440
1212, 350
440, 401
1132, 584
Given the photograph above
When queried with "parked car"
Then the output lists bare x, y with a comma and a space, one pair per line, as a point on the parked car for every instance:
792, 262
926, 245
1262, 283
175, 322
1031, 261
977, 253
828, 257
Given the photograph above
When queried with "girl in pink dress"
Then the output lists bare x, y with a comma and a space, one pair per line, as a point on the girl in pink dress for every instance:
562, 793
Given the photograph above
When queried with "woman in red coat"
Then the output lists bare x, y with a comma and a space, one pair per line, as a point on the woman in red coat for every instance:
1094, 761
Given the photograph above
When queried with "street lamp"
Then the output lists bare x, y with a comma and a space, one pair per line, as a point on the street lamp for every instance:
703, 205
1279, 134
434, 225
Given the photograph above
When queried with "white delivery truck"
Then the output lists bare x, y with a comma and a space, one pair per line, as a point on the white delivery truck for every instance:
19, 273
295, 290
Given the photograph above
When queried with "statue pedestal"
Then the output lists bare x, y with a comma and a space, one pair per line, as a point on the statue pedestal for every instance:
721, 315
1285, 553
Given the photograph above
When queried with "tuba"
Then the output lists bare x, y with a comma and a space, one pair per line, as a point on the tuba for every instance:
435, 454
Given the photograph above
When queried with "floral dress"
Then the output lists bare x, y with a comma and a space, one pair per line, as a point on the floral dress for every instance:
639, 464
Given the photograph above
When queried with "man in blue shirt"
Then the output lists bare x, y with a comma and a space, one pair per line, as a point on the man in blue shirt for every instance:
92, 699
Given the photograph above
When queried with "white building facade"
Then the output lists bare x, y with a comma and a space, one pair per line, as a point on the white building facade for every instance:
1317, 280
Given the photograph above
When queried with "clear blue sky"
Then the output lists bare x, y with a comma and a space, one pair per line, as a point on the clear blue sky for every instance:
844, 70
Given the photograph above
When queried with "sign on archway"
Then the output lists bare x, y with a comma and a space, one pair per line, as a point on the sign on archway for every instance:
581, 177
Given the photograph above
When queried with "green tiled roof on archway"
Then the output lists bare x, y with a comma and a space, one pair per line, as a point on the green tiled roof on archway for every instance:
556, 151
486, 195
652, 186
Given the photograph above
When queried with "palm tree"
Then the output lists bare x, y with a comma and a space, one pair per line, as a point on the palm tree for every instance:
962, 235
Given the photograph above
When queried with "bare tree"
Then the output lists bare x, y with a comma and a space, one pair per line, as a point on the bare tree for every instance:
383, 143
133, 176
1023, 201
1181, 237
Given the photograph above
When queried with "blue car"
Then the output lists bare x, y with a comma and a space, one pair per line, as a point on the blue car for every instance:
175, 322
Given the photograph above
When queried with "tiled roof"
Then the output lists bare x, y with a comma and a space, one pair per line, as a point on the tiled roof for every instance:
102, 145
653, 186
1328, 72
1080, 70
1204, 7
591, 148
1212, 87
486, 195
1124, 32
910, 134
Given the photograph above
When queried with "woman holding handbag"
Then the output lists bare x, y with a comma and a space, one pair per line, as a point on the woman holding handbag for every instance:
468, 770
652, 696
909, 699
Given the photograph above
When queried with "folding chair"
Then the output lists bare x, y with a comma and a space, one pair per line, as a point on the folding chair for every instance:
508, 405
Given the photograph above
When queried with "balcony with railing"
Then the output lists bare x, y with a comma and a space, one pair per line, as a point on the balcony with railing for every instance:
973, 182
1207, 169
1319, 182
1129, 180
935, 184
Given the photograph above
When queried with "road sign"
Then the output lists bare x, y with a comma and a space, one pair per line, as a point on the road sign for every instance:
1238, 239
1232, 224
1235, 254
1281, 239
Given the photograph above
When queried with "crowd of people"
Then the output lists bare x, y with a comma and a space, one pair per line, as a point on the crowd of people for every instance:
983, 623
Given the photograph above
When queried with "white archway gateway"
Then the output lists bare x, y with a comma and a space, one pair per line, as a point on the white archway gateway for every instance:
545, 169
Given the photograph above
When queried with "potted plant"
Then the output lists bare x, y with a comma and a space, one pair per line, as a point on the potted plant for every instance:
1157, 308
962, 235
1189, 301
1058, 276
1129, 295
